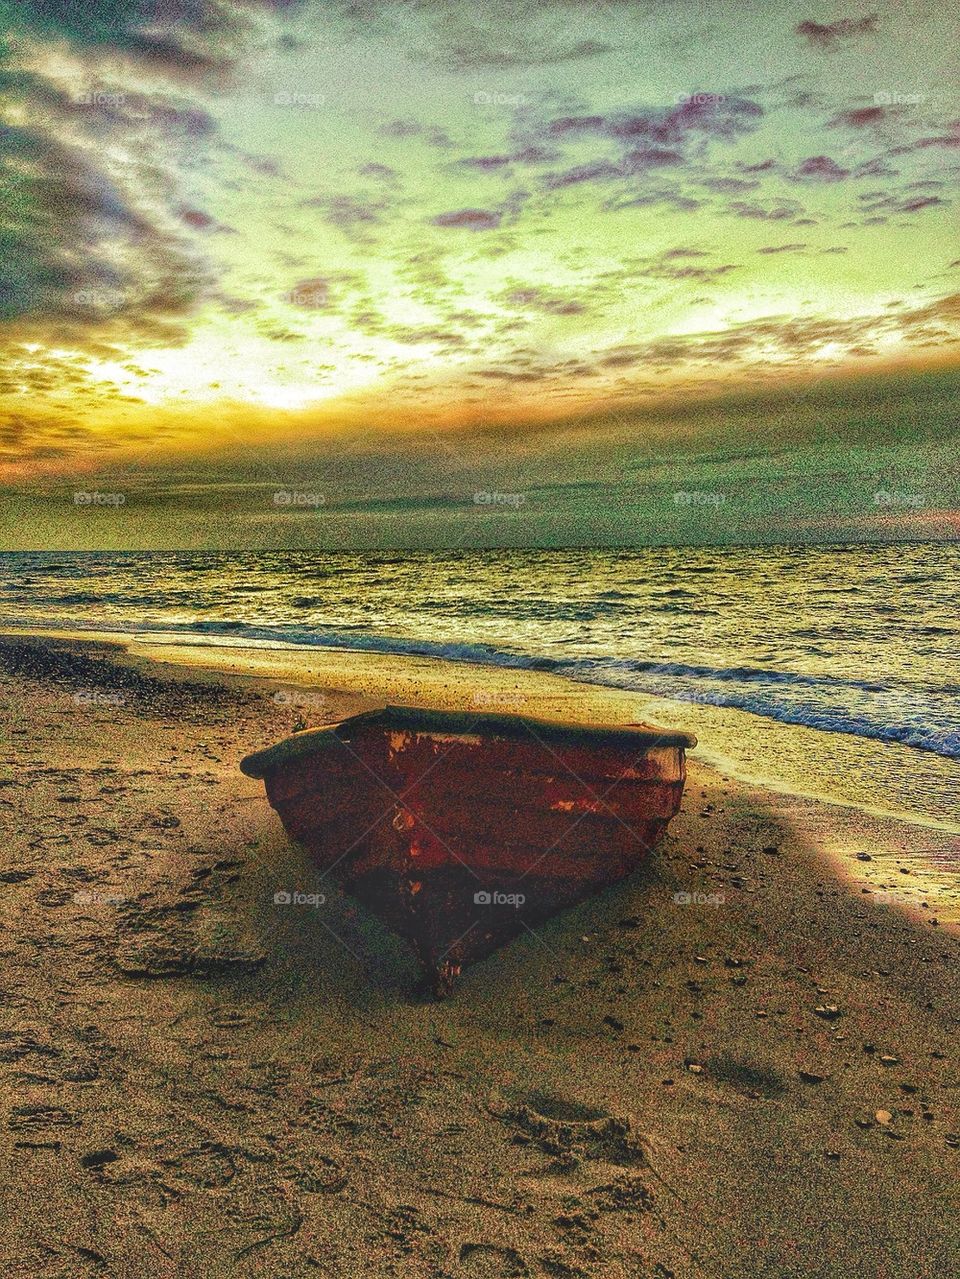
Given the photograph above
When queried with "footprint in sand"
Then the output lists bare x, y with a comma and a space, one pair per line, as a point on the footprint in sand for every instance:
572, 1132
489, 1261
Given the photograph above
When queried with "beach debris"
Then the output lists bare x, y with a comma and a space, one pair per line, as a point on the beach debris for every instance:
883, 1117
888, 1059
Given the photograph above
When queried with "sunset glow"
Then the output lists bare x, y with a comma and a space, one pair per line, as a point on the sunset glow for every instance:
439, 218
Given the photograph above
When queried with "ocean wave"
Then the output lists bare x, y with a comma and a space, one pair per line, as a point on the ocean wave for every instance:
826, 719
745, 688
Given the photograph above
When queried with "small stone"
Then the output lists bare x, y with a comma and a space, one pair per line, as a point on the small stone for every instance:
883, 1117
829, 1012
887, 1059
864, 857
811, 1077
694, 1069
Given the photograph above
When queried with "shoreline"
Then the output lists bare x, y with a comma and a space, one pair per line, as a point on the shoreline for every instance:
298, 663
670, 1078
901, 844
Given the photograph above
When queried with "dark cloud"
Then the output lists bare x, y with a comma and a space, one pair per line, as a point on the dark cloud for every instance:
818, 168
485, 163
431, 134
777, 211
354, 215
826, 35
469, 219
597, 171
535, 298
78, 252
527, 52
780, 340
859, 117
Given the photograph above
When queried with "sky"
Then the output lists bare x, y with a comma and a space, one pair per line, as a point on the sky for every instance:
281, 272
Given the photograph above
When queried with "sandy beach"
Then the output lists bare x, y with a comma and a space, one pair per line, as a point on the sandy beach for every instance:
742, 1062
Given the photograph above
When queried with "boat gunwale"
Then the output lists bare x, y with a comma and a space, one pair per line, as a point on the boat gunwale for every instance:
496, 724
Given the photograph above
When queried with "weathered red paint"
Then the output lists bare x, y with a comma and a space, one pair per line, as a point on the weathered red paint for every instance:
415, 813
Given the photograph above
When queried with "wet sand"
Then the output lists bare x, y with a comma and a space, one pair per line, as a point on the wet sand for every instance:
741, 1062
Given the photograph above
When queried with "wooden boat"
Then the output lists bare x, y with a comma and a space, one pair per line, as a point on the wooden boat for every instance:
461, 830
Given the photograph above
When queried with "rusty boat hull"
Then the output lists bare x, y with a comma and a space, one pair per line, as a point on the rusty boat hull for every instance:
463, 830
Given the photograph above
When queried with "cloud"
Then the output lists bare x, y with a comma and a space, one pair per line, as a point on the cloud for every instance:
777, 211
782, 248
80, 252
527, 52
468, 219
826, 35
818, 168
538, 299
859, 117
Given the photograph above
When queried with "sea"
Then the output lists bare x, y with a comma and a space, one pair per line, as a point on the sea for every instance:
825, 671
